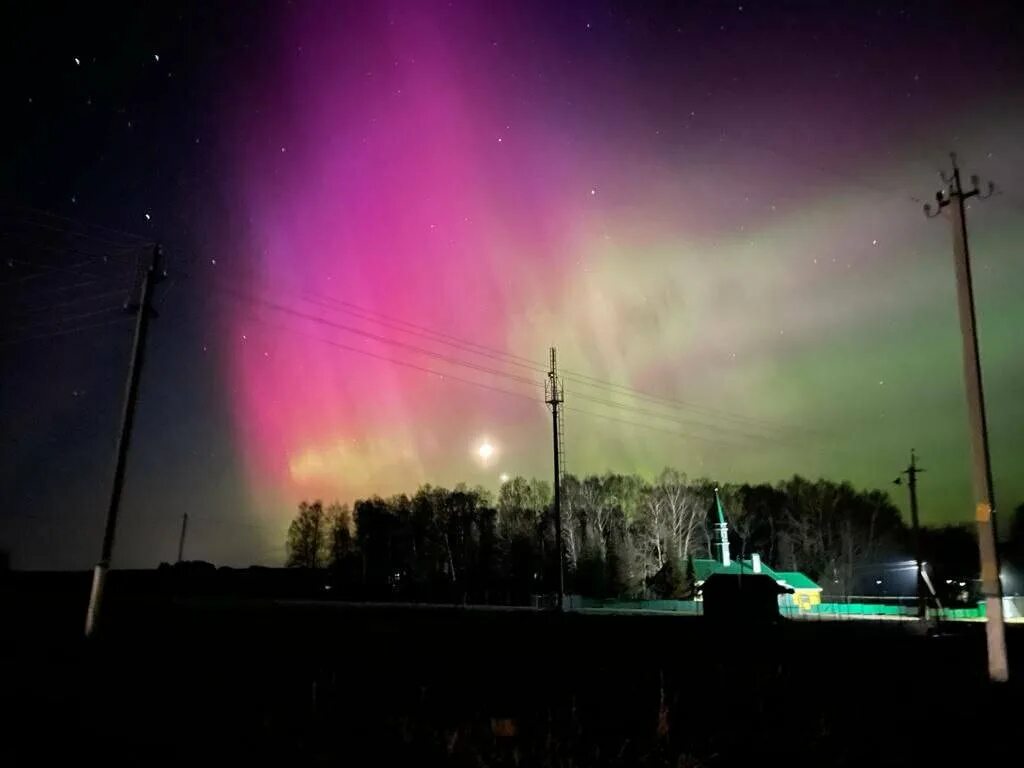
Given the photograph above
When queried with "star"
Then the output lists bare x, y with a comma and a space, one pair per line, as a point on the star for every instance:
874, 242
78, 62
147, 216
156, 57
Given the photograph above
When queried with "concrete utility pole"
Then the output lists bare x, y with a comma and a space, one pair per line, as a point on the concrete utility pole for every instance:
150, 272
181, 540
952, 200
911, 472
553, 397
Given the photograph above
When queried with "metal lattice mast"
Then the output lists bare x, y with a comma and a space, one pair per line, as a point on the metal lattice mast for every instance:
553, 396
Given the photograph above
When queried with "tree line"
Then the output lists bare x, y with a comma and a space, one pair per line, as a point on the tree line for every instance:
624, 536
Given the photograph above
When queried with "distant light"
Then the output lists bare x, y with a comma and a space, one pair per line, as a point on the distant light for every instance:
503, 477
78, 62
962, 583
156, 57
878, 581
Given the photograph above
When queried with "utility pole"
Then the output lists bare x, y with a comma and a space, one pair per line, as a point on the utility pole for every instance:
952, 199
912, 472
554, 397
181, 541
150, 272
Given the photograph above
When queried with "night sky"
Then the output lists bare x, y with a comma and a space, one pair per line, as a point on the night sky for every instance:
378, 216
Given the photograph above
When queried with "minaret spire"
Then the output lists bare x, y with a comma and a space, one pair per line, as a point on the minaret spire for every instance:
722, 529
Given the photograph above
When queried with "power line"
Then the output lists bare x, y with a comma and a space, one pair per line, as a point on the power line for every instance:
681, 405
68, 319
512, 359
508, 358
452, 377
483, 369
64, 332
618, 389
423, 332
518, 360
448, 376
630, 422
375, 337
49, 269
136, 238
51, 291
404, 364
69, 302
121, 254
666, 417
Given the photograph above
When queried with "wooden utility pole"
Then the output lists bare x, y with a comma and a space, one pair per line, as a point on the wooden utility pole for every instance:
150, 272
912, 472
181, 540
553, 397
952, 200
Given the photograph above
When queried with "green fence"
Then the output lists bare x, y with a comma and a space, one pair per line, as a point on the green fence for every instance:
852, 610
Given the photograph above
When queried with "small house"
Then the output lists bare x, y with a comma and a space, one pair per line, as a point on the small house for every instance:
799, 589
805, 592
750, 597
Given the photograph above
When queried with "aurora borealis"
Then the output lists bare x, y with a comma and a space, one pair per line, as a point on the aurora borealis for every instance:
717, 204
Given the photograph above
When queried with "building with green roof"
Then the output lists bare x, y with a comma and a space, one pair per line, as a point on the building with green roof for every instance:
805, 593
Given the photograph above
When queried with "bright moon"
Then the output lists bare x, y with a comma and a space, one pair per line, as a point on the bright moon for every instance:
485, 451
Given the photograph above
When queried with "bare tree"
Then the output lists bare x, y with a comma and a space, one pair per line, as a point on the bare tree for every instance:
340, 541
654, 529
573, 520
684, 509
307, 537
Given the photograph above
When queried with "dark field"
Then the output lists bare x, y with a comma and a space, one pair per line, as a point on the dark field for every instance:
242, 681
